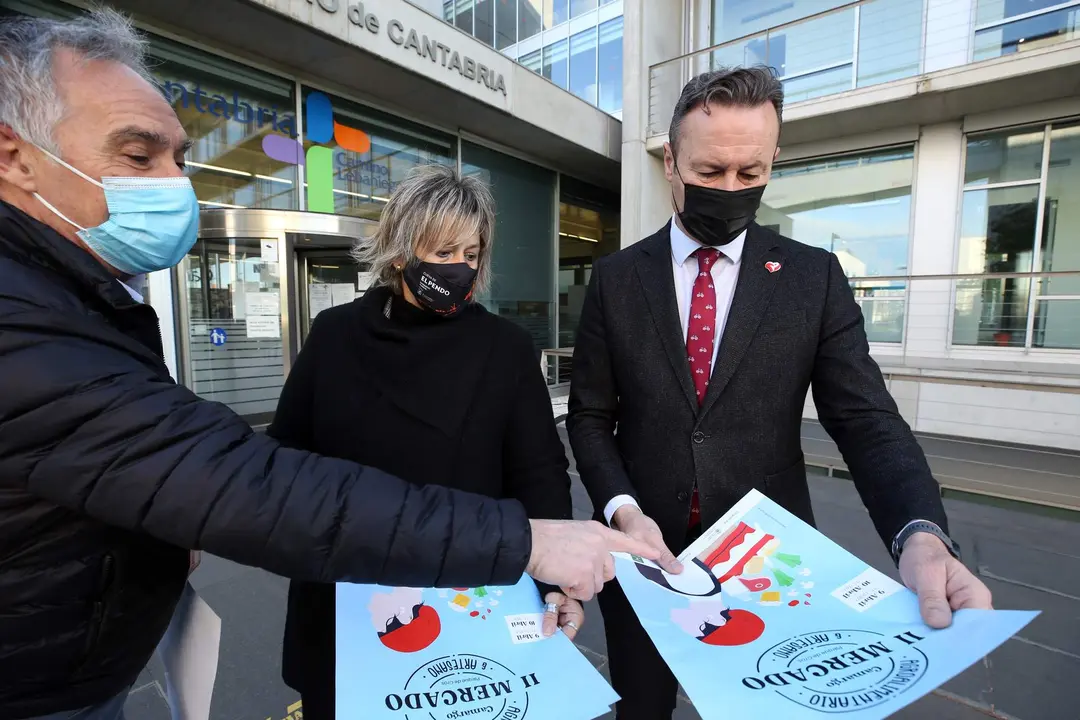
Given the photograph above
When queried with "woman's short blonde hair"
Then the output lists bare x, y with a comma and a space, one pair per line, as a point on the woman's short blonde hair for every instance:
432, 209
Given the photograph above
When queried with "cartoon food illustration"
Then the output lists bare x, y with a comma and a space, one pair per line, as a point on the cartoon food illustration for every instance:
402, 620
756, 584
476, 602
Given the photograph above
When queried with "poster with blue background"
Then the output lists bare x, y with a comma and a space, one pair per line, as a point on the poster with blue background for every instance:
458, 654
770, 618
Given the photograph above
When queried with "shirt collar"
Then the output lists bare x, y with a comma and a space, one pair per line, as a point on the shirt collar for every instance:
135, 295
683, 246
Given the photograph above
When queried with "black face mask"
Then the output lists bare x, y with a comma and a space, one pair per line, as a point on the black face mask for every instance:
444, 289
715, 217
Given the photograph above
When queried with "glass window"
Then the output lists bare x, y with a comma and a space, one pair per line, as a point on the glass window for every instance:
530, 18
814, 46
588, 230
610, 65
991, 311
583, 65
556, 12
817, 84
556, 66
506, 24
998, 230
1057, 317
890, 41
859, 208
533, 61
448, 11
1060, 249
523, 262
746, 53
232, 302
995, 36
580, 7
463, 15
242, 123
739, 18
356, 156
1003, 157
484, 20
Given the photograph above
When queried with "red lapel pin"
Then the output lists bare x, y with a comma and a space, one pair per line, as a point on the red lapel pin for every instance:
772, 266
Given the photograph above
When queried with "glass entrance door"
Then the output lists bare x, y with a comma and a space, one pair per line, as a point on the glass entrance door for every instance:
244, 304
232, 297
326, 278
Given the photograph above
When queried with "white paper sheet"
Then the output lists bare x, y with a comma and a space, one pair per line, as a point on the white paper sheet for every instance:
363, 281
342, 293
263, 326
269, 250
263, 303
189, 652
319, 299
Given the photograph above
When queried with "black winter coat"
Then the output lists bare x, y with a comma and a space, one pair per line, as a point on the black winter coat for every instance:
459, 402
109, 472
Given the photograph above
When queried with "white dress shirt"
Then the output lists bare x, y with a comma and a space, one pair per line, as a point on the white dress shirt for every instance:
684, 267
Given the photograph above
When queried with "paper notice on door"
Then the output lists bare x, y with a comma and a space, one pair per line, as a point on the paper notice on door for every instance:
342, 293
263, 326
319, 299
269, 250
189, 652
263, 303
363, 281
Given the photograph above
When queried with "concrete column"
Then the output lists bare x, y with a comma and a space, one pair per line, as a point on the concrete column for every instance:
938, 177
652, 33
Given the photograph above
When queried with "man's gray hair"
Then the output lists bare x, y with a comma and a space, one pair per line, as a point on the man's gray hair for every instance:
30, 103
431, 209
728, 87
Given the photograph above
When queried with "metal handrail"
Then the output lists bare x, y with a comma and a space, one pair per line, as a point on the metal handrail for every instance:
968, 276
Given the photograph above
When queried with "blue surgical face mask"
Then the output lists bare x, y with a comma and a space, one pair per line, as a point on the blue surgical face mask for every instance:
152, 223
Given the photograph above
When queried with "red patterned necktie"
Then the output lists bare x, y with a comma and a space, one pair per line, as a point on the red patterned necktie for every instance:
700, 336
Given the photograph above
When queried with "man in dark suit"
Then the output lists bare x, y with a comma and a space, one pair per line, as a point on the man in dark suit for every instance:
694, 355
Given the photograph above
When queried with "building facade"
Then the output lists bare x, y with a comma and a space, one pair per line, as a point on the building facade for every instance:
305, 115
933, 145
576, 44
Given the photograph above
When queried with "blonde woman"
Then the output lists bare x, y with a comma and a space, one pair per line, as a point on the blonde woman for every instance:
419, 380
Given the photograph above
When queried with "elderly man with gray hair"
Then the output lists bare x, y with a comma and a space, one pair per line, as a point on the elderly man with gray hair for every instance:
109, 471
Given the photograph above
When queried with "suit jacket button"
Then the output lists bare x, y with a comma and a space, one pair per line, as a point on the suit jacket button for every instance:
698, 437
683, 497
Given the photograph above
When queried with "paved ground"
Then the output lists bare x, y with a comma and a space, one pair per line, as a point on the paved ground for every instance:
1029, 560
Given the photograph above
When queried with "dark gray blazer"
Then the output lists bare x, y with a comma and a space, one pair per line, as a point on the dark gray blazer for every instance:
634, 422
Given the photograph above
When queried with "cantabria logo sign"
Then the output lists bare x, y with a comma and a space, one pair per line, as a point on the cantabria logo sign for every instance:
320, 128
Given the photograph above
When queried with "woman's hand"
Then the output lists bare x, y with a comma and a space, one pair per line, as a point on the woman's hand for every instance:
562, 612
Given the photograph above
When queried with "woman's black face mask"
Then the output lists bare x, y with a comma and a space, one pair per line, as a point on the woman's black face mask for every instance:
715, 217
442, 288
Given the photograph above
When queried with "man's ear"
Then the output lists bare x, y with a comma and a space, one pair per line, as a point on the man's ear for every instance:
13, 167
776, 154
669, 161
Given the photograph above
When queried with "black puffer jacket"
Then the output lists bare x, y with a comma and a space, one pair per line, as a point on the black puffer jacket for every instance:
109, 471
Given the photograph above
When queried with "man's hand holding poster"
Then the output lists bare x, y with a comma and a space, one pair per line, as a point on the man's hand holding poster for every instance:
771, 618
463, 653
